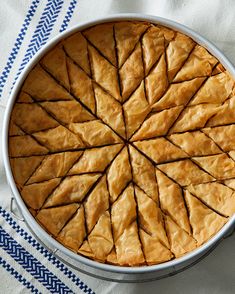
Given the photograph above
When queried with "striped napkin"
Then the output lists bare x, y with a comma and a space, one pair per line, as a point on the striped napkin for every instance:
25, 26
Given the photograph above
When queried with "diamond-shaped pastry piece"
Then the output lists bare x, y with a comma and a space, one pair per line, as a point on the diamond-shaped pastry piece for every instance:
195, 143
157, 124
135, 110
156, 82
102, 37
97, 203
222, 136
74, 231
172, 201
160, 150
76, 48
95, 133
143, 173
131, 73
178, 94
42, 87
150, 217
67, 112
54, 219
204, 221
194, 117
54, 166
100, 239
119, 174
95, 159
55, 63
72, 189
128, 247
215, 195
127, 35
176, 171
199, 64
104, 73
109, 110
219, 166
181, 242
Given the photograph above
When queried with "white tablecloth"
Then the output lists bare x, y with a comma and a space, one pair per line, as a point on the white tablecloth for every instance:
25, 26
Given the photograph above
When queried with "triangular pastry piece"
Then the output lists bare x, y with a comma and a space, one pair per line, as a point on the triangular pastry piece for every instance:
35, 195
181, 242
24, 116
154, 251
24, 98
95, 159
81, 85
59, 139
123, 212
153, 43
42, 87
23, 167
25, 146
204, 221
55, 62
74, 231
102, 37
100, 239
97, 203
85, 250
119, 174
14, 130
131, 73
199, 64
72, 189
128, 247
127, 35
150, 217
54, 166
76, 47
104, 73
222, 136
160, 150
172, 201
215, 195
54, 219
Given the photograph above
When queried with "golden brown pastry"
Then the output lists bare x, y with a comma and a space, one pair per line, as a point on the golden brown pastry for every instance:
121, 143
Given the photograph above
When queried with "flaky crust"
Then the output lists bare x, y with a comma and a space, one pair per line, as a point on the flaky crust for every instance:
122, 143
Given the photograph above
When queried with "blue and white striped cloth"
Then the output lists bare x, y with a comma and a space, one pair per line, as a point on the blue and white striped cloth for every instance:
25, 26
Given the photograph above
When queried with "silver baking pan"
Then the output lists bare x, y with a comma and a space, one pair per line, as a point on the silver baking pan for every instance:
85, 265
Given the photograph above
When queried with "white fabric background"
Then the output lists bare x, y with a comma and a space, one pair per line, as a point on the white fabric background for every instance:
214, 19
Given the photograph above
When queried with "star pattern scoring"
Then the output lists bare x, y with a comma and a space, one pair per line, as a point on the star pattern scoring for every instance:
120, 143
